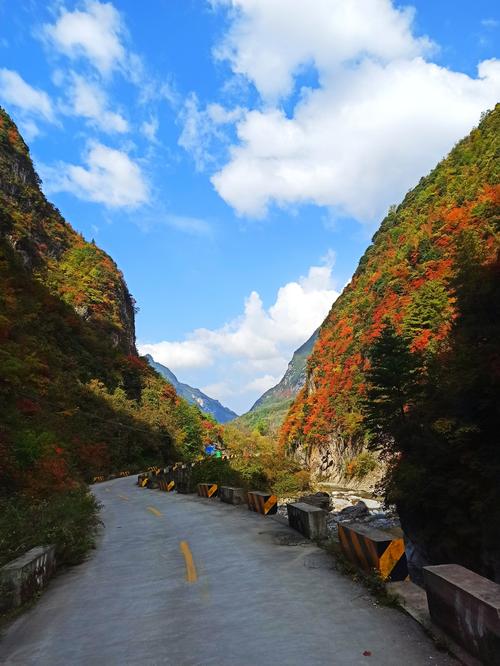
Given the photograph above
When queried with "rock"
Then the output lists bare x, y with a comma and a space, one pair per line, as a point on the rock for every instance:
359, 510
372, 504
321, 500
339, 503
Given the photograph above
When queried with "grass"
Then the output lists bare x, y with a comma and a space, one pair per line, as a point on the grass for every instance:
373, 581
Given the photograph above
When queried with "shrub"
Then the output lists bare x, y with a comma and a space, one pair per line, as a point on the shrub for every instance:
360, 466
287, 484
69, 520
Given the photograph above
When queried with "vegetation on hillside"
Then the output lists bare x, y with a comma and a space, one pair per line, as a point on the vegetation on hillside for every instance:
407, 359
75, 399
255, 462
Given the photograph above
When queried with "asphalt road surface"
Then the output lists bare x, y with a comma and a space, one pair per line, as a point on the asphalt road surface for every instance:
186, 581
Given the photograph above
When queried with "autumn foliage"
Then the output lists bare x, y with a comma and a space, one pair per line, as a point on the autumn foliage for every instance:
405, 277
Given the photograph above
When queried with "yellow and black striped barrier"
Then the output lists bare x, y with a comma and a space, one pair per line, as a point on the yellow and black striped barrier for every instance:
207, 489
98, 479
166, 485
143, 480
126, 473
264, 503
371, 548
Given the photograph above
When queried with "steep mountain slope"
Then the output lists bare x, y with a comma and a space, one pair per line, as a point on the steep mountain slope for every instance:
193, 395
75, 399
81, 274
269, 411
408, 360
403, 276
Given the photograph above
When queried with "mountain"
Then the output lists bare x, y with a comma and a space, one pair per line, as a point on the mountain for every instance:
75, 399
407, 362
193, 395
269, 411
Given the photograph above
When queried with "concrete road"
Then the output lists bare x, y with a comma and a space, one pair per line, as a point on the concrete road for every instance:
187, 581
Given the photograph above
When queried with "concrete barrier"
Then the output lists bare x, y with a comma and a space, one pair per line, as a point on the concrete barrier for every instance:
232, 495
142, 480
370, 548
166, 485
22, 578
183, 479
207, 489
307, 519
467, 607
264, 503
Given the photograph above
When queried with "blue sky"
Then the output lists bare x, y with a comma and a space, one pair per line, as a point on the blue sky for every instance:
235, 156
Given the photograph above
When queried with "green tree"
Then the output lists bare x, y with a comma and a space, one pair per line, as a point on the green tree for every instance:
393, 381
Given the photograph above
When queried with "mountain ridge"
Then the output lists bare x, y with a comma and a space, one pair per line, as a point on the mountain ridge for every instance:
269, 411
195, 396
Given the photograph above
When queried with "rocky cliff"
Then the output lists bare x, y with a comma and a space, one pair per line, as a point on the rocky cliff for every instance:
80, 273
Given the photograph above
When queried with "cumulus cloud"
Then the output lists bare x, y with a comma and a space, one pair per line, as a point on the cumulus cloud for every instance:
88, 100
380, 116
15, 91
249, 354
95, 32
269, 41
179, 355
110, 177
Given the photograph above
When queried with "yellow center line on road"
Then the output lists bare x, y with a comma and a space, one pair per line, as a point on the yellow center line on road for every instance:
153, 510
191, 574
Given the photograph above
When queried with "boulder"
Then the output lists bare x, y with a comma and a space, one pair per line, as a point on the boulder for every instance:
320, 500
355, 512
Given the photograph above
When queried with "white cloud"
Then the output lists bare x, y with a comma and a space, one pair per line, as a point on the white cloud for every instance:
202, 129
15, 91
95, 33
250, 353
379, 118
87, 99
269, 41
150, 128
190, 225
262, 384
110, 177
218, 390
179, 355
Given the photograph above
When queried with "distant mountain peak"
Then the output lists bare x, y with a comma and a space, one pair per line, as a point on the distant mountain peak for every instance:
194, 396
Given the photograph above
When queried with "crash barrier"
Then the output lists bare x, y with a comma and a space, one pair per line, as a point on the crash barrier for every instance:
307, 519
371, 548
232, 495
166, 485
107, 477
264, 503
22, 578
467, 607
143, 480
207, 489
183, 479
